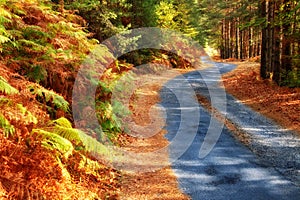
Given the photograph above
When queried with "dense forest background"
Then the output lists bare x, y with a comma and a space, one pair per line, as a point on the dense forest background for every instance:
44, 42
238, 29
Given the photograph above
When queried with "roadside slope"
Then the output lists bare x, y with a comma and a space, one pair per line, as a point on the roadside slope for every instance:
281, 104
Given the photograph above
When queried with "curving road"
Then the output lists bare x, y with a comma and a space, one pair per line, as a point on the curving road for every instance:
267, 169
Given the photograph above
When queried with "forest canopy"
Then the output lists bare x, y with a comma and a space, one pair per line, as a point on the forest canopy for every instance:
267, 30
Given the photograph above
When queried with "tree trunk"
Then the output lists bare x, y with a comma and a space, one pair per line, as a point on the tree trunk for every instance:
250, 42
263, 60
222, 49
237, 41
286, 43
276, 46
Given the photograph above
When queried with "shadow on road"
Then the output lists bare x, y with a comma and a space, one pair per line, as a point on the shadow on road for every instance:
231, 170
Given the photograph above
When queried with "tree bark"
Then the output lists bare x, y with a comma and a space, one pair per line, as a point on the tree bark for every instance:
276, 46
286, 43
263, 60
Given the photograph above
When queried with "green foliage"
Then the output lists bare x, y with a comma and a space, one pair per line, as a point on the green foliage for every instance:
26, 39
166, 14
128, 43
37, 73
63, 127
60, 135
41, 42
144, 11
292, 79
94, 147
111, 112
74, 31
104, 18
3, 39
107, 117
48, 96
6, 88
5, 17
8, 129
79, 139
55, 141
181, 16
16, 113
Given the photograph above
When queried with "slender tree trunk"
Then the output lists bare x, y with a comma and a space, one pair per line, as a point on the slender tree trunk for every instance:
229, 39
222, 49
270, 40
241, 44
250, 42
286, 43
237, 42
226, 39
259, 38
263, 60
276, 46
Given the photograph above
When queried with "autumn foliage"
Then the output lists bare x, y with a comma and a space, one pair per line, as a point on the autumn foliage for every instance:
41, 52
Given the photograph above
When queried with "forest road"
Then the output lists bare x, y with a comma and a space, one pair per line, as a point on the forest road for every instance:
267, 168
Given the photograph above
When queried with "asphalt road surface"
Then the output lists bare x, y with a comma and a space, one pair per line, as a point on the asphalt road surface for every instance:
268, 168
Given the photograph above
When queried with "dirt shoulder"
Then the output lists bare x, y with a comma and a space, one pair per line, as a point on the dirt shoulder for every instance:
281, 104
155, 184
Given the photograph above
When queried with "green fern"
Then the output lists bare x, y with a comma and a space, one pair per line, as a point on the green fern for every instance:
93, 146
50, 96
5, 17
64, 122
110, 115
6, 88
33, 45
35, 32
63, 127
55, 141
61, 136
68, 133
4, 12
37, 73
3, 39
8, 129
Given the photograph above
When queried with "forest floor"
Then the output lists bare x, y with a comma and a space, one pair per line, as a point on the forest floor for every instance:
278, 103
282, 104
